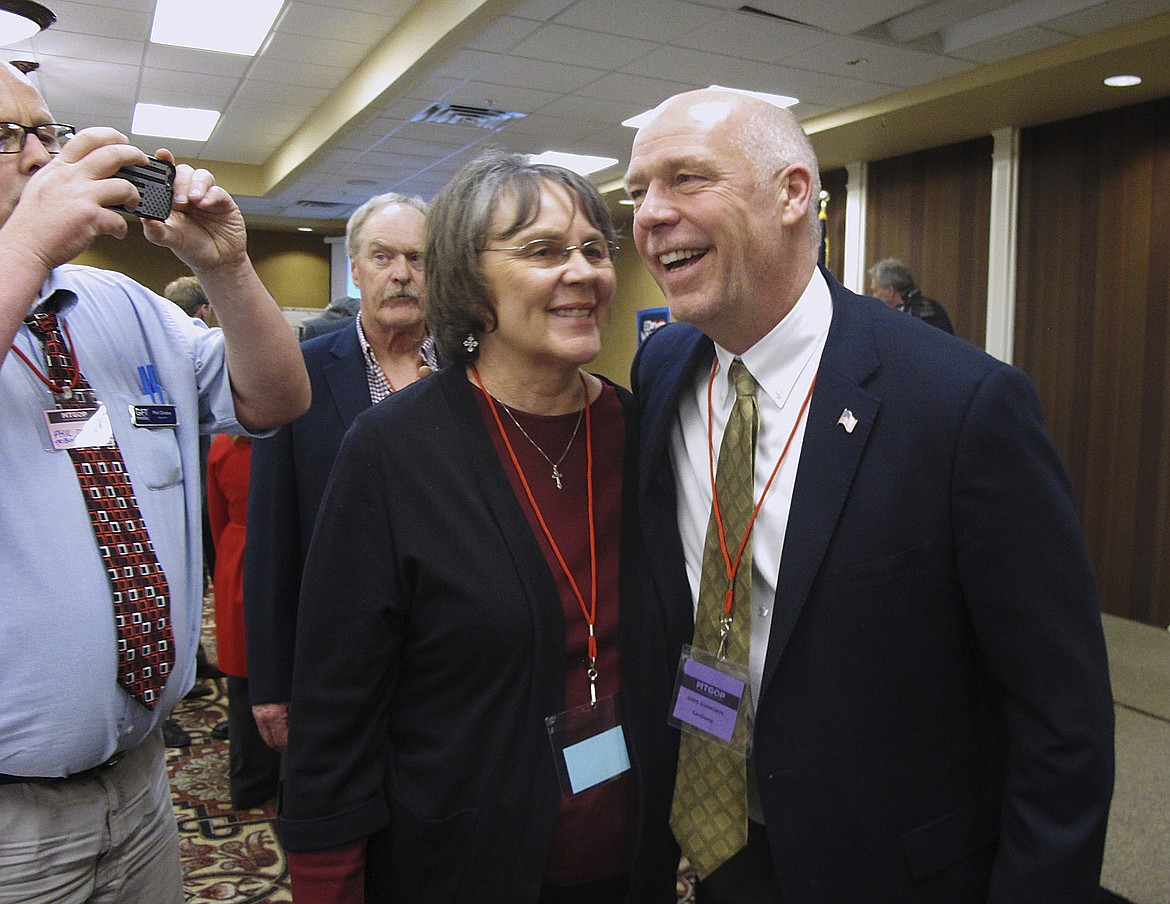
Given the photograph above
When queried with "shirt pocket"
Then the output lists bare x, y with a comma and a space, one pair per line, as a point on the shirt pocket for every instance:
151, 453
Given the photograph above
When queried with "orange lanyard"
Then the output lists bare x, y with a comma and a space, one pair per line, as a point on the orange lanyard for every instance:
590, 611
733, 568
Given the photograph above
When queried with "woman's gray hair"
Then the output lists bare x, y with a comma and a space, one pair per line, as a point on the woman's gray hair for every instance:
459, 224
357, 219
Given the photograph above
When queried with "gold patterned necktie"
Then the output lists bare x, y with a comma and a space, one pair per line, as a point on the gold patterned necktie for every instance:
709, 813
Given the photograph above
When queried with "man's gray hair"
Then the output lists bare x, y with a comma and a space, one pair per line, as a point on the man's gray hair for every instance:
772, 139
357, 220
892, 272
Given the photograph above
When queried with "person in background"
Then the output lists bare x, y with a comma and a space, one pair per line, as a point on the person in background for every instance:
887, 556
186, 292
189, 295
254, 769
892, 282
377, 353
480, 682
105, 388
338, 313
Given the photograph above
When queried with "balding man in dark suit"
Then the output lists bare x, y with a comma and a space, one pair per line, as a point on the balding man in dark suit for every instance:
933, 717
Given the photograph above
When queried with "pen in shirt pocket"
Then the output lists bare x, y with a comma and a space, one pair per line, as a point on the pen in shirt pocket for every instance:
150, 383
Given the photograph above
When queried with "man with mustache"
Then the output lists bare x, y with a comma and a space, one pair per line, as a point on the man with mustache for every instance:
350, 369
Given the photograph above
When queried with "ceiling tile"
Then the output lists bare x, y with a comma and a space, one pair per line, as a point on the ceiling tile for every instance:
156, 82
185, 59
753, 38
555, 43
503, 34
1002, 48
324, 51
842, 17
311, 75
71, 45
662, 21
539, 9
881, 63
102, 21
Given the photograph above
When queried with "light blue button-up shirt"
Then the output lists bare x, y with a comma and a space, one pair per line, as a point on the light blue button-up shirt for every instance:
61, 707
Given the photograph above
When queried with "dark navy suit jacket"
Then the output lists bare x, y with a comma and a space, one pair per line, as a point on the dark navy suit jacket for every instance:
289, 473
935, 719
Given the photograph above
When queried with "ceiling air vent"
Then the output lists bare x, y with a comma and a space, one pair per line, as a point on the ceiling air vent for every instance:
459, 115
320, 208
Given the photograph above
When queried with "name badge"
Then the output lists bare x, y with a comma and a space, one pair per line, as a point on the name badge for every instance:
87, 427
154, 416
589, 746
713, 700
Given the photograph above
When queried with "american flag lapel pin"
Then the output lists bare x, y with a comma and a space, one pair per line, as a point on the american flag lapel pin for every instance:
847, 420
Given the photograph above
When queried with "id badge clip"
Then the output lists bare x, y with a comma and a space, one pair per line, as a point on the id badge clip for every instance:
589, 745
713, 701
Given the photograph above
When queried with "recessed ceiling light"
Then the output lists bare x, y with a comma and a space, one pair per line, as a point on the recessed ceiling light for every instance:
304, 229
225, 26
776, 100
581, 164
1123, 81
173, 122
626, 202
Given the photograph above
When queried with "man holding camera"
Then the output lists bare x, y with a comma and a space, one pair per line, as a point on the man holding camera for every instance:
104, 390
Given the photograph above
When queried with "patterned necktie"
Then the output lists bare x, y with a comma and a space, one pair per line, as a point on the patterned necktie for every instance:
709, 814
141, 595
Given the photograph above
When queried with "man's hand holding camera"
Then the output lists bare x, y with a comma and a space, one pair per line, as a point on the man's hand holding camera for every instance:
66, 203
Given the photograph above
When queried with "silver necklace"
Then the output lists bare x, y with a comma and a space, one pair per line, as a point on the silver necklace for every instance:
556, 465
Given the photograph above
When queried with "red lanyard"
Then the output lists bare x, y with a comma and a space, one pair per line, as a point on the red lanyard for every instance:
733, 568
65, 390
590, 611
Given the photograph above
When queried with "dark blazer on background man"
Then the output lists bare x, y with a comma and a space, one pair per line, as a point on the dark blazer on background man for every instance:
450, 646
289, 472
935, 718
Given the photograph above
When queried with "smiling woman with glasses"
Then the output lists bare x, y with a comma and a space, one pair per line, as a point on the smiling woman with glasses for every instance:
52, 136
483, 719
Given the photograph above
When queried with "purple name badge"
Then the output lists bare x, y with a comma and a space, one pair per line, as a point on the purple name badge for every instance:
707, 699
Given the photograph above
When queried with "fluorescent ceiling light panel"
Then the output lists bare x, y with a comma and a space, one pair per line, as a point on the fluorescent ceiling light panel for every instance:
225, 26
173, 122
581, 164
776, 100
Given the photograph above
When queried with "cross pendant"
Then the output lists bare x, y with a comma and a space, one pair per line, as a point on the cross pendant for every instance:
556, 475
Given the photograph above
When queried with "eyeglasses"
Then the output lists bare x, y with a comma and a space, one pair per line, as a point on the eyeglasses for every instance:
551, 253
52, 135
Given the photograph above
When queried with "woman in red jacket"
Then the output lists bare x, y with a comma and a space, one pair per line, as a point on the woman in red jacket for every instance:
254, 768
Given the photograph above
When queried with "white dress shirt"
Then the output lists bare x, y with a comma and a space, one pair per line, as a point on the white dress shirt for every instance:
784, 364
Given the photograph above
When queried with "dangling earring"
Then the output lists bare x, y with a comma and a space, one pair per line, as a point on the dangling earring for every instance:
471, 343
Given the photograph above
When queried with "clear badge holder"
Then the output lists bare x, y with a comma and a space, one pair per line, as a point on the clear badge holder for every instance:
589, 745
713, 700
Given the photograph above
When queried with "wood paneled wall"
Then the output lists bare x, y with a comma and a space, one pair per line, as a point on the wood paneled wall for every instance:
1092, 310
836, 183
932, 210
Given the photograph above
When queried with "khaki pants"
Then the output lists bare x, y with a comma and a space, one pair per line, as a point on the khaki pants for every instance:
108, 839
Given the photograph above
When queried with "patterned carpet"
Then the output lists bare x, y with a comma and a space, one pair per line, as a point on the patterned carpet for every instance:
228, 855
